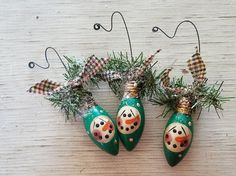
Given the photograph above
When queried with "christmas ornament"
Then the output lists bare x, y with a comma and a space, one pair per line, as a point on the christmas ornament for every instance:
130, 79
73, 97
184, 100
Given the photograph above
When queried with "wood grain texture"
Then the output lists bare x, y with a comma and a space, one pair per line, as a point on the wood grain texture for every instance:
34, 138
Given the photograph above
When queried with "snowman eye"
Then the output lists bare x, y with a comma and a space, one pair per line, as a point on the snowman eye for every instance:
129, 115
179, 132
124, 115
174, 130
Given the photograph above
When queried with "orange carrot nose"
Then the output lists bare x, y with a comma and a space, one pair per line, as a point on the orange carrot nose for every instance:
181, 139
130, 121
106, 126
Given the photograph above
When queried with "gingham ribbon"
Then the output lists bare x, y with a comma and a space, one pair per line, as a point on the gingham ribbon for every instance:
140, 71
197, 68
110, 76
91, 68
44, 87
165, 79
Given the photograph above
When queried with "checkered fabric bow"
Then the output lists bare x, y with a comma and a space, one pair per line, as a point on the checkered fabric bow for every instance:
111, 76
91, 68
197, 68
165, 79
44, 87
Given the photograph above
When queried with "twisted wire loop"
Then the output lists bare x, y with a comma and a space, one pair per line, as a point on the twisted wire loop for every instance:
156, 29
32, 64
98, 26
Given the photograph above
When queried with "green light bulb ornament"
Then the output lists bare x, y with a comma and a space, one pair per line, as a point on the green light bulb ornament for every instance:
184, 100
178, 133
74, 99
130, 79
101, 129
130, 117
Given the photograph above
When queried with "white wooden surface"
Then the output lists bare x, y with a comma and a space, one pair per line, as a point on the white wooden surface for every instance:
34, 138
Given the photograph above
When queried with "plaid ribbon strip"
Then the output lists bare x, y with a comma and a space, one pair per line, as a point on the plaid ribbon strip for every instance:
197, 68
44, 87
140, 71
91, 68
165, 79
110, 76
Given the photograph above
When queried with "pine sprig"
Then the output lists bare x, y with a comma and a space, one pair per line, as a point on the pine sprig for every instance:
122, 63
71, 100
204, 96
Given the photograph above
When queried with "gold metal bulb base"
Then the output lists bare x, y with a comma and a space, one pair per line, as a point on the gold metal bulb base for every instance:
184, 106
131, 90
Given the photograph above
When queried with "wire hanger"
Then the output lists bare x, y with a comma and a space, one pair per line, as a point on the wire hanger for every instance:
156, 29
97, 26
33, 64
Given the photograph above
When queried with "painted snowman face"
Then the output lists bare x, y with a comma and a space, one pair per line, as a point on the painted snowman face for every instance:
128, 120
177, 137
102, 129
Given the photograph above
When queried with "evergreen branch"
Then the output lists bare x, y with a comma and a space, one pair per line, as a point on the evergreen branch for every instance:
123, 64
204, 96
71, 100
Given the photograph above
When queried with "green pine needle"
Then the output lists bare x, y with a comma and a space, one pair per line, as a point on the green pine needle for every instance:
71, 100
122, 63
205, 96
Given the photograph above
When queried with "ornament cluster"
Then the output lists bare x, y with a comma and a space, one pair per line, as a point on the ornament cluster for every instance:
131, 79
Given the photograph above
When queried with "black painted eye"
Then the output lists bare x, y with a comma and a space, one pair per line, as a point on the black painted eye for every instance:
124, 115
129, 115
106, 136
102, 123
174, 130
179, 132
97, 125
174, 145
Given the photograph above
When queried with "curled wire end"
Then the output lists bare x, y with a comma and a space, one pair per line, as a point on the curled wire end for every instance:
31, 64
97, 26
155, 29
158, 50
